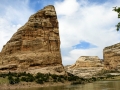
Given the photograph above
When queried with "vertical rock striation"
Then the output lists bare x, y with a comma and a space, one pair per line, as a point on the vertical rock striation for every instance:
111, 56
35, 47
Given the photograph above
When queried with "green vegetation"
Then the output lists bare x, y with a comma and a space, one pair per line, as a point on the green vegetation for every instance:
3, 80
117, 9
14, 78
108, 75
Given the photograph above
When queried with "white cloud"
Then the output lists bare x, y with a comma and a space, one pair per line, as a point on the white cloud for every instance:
94, 23
67, 7
12, 16
6, 31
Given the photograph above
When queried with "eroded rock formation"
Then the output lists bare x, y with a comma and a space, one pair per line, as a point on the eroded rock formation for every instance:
86, 66
35, 47
87, 61
111, 56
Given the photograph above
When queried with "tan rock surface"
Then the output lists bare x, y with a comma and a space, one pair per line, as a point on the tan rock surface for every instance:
34, 46
111, 56
88, 61
86, 66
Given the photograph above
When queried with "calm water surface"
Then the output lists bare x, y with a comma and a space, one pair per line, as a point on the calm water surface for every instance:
100, 85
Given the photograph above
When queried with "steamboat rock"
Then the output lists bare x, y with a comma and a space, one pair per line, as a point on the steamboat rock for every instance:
111, 56
86, 66
35, 47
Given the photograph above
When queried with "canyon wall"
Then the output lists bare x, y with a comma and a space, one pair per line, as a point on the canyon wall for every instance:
111, 55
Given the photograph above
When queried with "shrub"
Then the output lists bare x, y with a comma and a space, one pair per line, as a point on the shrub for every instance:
11, 81
17, 80
10, 77
76, 82
3, 75
109, 76
94, 79
23, 78
12, 74
40, 81
54, 76
59, 79
101, 77
28, 79
73, 78
39, 75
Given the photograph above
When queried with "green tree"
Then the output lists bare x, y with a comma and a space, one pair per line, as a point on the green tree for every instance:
117, 9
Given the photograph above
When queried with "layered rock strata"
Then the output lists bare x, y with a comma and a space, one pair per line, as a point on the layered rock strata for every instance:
111, 56
35, 47
86, 66
88, 61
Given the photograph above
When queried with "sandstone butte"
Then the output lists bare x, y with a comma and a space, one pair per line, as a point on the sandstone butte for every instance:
111, 55
35, 47
86, 66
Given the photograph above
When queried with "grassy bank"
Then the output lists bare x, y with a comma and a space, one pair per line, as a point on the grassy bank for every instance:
26, 80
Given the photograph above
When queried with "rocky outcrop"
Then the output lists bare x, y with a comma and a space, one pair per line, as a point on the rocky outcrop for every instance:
87, 61
35, 47
111, 56
86, 66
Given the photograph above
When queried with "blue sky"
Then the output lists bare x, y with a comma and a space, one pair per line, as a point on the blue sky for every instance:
85, 26
84, 45
101, 1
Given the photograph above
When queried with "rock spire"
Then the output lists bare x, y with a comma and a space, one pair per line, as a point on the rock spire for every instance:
35, 47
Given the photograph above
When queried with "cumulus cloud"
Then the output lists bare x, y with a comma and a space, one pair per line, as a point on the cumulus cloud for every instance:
12, 15
67, 7
86, 21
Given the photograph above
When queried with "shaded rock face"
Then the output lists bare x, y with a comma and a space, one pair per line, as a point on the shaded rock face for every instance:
86, 66
35, 47
111, 56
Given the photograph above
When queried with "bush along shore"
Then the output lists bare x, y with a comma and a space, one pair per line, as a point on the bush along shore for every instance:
39, 78
15, 78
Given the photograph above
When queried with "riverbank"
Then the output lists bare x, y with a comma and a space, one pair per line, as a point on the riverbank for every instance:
12, 81
113, 78
26, 80
23, 85
27, 85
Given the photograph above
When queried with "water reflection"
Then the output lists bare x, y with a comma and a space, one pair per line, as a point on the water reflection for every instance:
100, 85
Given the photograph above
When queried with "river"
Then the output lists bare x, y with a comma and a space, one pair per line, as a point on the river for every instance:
99, 85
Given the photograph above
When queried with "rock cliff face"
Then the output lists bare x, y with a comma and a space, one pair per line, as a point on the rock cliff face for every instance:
35, 47
86, 66
111, 56
87, 61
